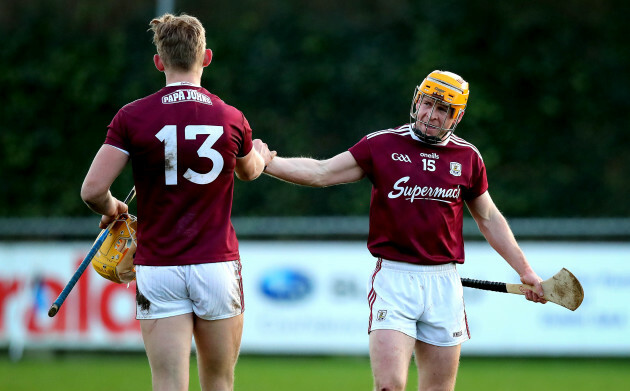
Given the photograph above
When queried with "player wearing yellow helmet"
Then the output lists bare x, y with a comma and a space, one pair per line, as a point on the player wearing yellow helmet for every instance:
438, 105
423, 177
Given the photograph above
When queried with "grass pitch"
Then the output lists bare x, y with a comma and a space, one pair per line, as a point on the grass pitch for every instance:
130, 372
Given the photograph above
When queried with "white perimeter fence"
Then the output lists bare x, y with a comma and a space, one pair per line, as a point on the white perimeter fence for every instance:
309, 296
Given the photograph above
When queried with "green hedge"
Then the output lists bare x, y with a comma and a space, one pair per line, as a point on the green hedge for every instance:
549, 83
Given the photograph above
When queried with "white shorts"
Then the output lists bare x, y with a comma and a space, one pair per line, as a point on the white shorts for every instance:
211, 290
424, 302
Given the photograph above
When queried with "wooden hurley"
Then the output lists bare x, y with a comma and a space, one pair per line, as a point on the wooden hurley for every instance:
563, 288
54, 308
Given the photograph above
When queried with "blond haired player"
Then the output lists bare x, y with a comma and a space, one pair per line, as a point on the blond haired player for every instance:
422, 176
185, 145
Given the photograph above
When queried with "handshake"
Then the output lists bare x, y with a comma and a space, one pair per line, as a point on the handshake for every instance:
264, 152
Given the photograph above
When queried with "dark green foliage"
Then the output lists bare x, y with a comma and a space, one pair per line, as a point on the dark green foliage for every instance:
548, 85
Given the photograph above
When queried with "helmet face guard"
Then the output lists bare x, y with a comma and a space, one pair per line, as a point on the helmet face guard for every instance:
438, 105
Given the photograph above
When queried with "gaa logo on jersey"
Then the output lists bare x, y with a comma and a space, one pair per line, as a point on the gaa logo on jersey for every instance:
400, 157
456, 169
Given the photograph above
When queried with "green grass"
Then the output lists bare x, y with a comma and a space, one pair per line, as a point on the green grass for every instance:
70, 372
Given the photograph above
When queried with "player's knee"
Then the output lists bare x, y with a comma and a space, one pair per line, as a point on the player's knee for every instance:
389, 385
213, 379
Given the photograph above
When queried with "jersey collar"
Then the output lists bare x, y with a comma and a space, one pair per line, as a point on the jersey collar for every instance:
182, 83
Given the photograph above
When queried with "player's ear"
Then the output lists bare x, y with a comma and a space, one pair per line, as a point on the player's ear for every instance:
207, 57
158, 63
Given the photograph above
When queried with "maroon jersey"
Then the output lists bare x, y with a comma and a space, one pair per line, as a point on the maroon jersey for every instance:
183, 143
418, 194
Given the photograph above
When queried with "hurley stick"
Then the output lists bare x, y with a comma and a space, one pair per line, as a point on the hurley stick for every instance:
86, 261
563, 288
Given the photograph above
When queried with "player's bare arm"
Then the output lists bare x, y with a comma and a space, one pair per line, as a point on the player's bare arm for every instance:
106, 166
342, 168
250, 166
497, 232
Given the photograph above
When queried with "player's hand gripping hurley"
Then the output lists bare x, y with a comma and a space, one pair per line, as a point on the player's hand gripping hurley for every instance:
563, 288
86, 261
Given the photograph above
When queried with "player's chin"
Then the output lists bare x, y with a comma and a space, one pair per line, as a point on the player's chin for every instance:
431, 131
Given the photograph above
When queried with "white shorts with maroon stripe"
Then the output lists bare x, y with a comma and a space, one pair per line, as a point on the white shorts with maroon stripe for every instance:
424, 302
211, 290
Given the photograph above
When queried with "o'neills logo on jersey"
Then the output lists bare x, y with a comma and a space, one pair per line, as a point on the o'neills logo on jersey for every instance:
416, 192
186, 96
430, 155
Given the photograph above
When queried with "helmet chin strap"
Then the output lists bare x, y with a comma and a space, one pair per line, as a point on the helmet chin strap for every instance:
431, 139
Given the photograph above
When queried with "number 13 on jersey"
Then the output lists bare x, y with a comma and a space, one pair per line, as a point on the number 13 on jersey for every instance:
168, 135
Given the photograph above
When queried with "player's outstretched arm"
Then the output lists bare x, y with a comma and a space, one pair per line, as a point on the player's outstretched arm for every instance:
342, 168
497, 232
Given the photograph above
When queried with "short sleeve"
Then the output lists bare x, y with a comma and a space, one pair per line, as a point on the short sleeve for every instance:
479, 180
247, 144
117, 131
362, 154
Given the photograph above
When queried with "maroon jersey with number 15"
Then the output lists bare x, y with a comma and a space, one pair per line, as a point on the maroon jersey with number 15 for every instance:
418, 194
183, 143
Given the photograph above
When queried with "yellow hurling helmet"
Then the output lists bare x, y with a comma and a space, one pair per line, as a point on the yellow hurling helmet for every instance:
114, 259
440, 92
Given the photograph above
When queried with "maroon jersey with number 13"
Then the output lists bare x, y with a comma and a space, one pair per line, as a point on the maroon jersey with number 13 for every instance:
183, 143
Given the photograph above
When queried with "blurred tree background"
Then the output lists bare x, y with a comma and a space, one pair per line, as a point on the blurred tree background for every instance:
549, 83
